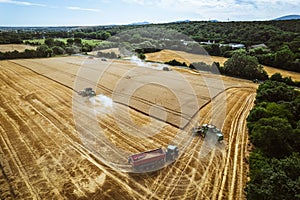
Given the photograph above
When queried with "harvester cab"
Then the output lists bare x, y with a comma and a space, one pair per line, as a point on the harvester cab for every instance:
220, 136
217, 133
172, 153
87, 92
208, 129
200, 130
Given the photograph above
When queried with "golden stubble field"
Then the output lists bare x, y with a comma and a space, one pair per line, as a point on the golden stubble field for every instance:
167, 55
45, 147
17, 47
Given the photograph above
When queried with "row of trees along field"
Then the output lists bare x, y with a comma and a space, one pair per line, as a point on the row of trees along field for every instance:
282, 38
49, 48
241, 65
286, 56
274, 129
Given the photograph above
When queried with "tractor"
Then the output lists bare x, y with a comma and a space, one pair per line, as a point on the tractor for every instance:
208, 130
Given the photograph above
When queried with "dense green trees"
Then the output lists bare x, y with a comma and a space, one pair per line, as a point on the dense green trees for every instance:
57, 50
272, 135
176, 63
274, 131
49, 42
288, 80
10, 38
51, 47
213, 49
277, 179
273, 91
281, 37
213, 68
107, 55
39, 53
244, 66
141, 56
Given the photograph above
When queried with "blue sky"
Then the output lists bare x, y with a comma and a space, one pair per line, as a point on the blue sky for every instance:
104, 12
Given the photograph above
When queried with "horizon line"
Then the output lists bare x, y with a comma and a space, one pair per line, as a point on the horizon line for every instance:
136, 23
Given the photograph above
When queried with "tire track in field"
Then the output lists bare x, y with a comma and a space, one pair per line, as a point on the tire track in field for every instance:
241, 134
226, 165
7, 190
38, 131
167, 178
194, 150
32, 98
211, 155
230, 98
55, 117
182, 158
45, 103
30, 133
49, 117
141, 100
9, 127
184, 181
233, 141
65, 170
241, 144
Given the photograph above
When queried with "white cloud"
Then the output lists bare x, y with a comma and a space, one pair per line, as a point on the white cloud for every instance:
23, 3
83, 9
225, 3
141, 2
223, 9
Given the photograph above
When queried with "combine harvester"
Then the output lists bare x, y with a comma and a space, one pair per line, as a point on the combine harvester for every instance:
208, 130
153, 159
87, 92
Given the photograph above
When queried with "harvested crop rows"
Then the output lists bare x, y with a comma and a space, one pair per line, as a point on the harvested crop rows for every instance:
46, 153
188, 58
15, 47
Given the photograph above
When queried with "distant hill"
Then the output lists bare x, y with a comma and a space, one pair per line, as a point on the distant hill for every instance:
140, 23
181, 21
288, 17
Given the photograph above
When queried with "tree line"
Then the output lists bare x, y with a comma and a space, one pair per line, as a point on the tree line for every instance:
281, 37
274, 130
286, 56
239, 65
50, 48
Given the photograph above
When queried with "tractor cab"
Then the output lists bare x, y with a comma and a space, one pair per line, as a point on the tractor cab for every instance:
220, 137
172, 153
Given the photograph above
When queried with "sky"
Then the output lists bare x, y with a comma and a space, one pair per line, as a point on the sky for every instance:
109, 12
